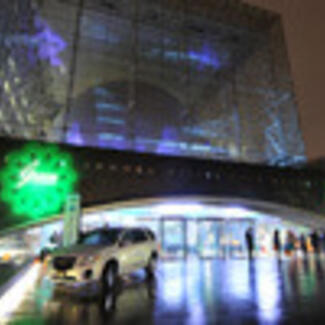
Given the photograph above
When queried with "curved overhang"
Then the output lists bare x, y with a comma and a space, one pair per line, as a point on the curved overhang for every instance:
205, 206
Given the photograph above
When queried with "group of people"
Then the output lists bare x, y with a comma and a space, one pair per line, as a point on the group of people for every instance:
306, 243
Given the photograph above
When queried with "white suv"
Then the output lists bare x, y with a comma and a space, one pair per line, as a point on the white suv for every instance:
103, 255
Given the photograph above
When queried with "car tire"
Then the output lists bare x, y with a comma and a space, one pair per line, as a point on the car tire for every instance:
151, 267
109, 277
109, 302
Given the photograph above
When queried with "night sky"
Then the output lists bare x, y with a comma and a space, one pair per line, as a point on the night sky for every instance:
304, 22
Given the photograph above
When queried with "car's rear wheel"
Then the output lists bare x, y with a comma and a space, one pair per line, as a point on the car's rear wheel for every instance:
109, 277
152, 266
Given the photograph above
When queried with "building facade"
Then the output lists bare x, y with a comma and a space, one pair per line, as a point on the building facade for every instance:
188, 78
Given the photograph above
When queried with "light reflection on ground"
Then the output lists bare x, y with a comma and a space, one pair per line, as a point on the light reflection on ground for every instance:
264, 291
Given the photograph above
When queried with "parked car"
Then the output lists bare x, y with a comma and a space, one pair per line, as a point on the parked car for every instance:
103, 255
13, 252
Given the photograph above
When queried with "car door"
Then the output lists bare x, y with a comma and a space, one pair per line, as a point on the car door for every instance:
141, 240
128, 257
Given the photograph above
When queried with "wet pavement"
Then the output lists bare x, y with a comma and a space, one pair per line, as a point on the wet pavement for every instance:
6, 272
196, 291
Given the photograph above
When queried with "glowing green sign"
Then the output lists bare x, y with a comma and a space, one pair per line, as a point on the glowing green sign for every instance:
37, 179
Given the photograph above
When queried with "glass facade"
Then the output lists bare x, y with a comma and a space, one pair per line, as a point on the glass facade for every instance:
181, 78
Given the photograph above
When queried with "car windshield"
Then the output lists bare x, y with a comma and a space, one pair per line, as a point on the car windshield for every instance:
107, 237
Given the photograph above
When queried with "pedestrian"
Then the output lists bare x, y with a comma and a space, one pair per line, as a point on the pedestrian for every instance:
250, 242
322, 241
315, 241
277, 242
290, 243
303, 244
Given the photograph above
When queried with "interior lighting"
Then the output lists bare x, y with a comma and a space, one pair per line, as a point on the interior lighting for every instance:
173, 209
236, 212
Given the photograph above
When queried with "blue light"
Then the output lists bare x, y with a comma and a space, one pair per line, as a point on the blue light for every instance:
108, 107
101, 91
110, 120
139, 147
143, 141
205, 58
110, 136
111, 140
201, 132
200, 147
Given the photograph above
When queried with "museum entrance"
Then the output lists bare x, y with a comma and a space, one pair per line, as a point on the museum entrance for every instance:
206, 238
221, 238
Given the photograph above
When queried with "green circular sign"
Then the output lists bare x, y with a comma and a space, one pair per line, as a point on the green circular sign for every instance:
37, 179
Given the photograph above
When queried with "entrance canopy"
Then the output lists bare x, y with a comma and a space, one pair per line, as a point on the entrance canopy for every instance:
185, 226
197, 207
192, 207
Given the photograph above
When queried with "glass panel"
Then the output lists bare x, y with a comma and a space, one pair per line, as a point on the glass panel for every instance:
192, 238
173, 239
208, 239
237, 242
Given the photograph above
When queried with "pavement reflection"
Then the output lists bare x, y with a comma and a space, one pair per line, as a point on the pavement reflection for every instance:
193, 292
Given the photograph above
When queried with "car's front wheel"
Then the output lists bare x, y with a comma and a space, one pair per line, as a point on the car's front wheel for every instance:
152, 266
109, 276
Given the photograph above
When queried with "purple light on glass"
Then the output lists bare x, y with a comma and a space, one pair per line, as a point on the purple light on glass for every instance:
168, 134
50, 44
74, 135
140, 147
205, 57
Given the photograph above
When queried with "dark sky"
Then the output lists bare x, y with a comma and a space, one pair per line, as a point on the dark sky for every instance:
304, 22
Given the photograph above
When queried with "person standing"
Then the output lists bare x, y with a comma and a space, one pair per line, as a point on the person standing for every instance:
277, 242
290, 243
250, 242
315, 241
303, 243
322, 241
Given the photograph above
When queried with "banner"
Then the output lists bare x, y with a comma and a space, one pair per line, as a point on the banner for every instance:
71, 223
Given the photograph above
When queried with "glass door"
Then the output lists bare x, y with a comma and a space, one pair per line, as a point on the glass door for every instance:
208, 238
237, 242
192, 247
173, 234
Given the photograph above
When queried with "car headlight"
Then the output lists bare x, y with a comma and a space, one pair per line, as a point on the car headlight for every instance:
6, 257
48, 260
86, 260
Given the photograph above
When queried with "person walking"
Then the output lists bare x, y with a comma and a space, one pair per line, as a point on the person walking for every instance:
250, 242
315, 241
277, 242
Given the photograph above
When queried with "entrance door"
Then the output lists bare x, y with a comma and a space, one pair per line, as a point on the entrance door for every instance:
208, 236
173, 238
232, 237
